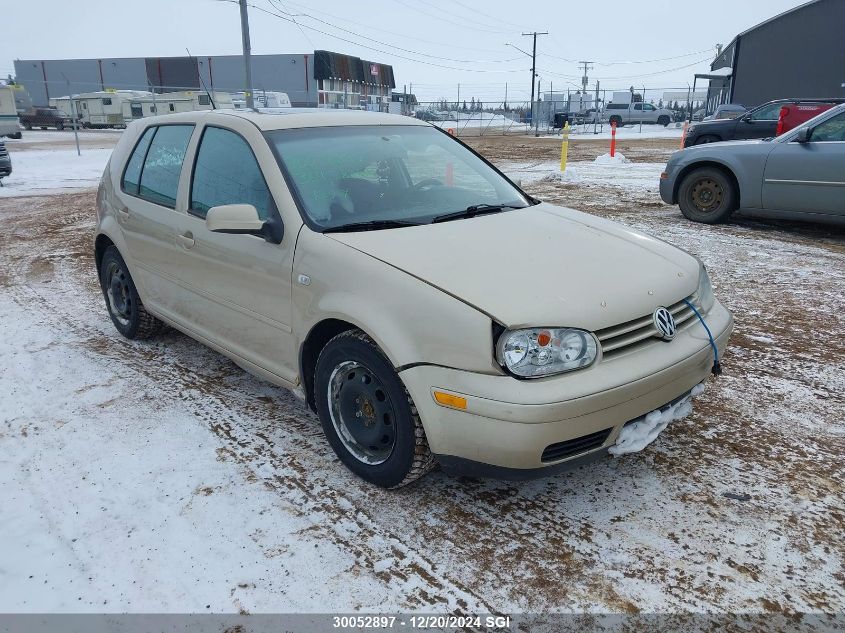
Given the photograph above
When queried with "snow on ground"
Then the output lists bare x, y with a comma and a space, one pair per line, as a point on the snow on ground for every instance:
54, 170
54, 136
157, 476
601, 172
484, 120
628, 132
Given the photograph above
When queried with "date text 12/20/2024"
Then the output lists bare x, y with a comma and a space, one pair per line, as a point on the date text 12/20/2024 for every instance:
437, 622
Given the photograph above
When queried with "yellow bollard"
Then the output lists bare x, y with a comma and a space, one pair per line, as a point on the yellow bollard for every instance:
564, 147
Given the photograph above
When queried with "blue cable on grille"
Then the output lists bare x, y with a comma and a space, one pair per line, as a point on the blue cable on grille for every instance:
717, 368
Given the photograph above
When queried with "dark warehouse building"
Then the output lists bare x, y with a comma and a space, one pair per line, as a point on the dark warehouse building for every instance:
799, 53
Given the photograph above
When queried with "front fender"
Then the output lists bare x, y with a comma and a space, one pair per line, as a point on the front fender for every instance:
411, 321
745, 161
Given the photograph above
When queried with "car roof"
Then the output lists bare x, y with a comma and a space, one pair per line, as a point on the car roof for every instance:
289, 118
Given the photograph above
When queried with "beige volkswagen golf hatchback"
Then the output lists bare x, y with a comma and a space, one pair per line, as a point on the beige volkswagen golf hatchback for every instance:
424, 306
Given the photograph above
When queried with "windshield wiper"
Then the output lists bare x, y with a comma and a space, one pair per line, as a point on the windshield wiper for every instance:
372, 225
472, 211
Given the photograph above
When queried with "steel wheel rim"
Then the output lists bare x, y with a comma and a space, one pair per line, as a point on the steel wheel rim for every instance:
707, 195
118, 293
362, 413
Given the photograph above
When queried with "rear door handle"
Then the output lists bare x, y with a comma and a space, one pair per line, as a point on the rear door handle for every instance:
186, 240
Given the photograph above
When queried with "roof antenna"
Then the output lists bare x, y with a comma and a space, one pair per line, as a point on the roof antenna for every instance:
199, 75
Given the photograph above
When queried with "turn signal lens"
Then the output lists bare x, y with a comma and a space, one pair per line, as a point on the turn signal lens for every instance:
450, 400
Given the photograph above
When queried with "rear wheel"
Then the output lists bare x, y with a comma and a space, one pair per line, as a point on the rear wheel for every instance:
124, 305
60, 125
367, 414
707, 195
663, 120
617, 120
27, 126
16, 135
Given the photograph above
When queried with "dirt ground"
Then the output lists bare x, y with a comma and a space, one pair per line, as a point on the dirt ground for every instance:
498, 148
740, 507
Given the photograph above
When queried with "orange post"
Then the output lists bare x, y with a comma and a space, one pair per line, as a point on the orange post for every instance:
684, 134
612, 139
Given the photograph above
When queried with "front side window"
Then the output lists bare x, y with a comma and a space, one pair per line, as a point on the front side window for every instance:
648, 107
347, 175
226, 172
831, 131
770, 112
163, 165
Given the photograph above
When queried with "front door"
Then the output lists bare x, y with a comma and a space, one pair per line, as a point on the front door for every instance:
809, 177
239, 286
759, 123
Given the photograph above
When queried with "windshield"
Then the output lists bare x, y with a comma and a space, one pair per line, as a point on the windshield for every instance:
377, 174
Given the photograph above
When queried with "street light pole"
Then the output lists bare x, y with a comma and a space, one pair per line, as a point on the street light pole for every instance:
250, 103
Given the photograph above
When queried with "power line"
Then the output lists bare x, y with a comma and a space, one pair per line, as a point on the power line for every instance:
372, 48
382, 43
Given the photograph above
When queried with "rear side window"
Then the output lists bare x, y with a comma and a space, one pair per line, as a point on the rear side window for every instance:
770, 112
617, 106
162, 164
226, 172
132, 174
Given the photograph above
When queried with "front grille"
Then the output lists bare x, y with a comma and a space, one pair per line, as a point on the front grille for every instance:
570, 448
3, 151
621, 338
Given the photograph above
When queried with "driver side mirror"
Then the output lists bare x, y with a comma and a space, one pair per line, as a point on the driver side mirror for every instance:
804, 135
243, 219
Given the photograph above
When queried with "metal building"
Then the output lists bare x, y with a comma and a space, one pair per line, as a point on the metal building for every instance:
799, 53
306, 83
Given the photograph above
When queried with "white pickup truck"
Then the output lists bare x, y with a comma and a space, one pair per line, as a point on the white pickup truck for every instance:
637, 112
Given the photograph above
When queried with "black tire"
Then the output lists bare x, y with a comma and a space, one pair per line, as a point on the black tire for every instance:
27, 126
618, 120
707, 195
125, 308
60, 126
663, 120
707, 138
43, 127
383, 438
16, 136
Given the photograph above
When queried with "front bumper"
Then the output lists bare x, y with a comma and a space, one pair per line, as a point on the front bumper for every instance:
509, 423
667, 189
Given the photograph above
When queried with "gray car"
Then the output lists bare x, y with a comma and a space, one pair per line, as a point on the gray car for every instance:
800, 175
5, 163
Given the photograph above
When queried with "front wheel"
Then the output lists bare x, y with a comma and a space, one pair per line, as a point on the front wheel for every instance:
707, 195
126, 310
367, 414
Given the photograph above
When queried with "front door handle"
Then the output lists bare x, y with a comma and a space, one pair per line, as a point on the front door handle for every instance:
123, 213
186, 240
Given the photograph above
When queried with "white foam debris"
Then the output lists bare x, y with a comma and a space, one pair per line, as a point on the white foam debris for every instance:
637, 435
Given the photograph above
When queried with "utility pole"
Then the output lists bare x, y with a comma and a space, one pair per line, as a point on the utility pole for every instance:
585, 79
534, 64
73, 114
250, 103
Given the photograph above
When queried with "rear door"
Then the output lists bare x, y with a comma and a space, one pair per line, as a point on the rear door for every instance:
238, 286
759, 123
148, 216
809, 177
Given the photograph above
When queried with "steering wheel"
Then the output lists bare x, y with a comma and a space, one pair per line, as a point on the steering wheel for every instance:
428, 182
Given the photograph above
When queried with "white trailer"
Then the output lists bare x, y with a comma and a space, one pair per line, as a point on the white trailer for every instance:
262, 98
9, 125
105, 108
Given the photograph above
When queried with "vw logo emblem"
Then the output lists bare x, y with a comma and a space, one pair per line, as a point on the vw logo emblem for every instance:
664, 323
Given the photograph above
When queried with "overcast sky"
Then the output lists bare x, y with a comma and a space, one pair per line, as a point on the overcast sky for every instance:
432, 44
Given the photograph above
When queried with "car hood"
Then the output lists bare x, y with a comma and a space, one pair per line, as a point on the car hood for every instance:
539, 266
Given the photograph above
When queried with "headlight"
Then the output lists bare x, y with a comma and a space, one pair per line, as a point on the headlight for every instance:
538, 352
704, 295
